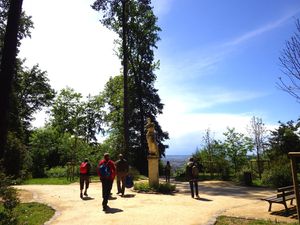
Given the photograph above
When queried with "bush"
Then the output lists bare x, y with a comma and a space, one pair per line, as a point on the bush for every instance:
180, 174
56, 172
164, 188
10, 201
142, 186
278, 176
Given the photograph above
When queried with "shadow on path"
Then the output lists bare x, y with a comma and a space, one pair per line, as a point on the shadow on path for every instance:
203, 199
292, 213
224, 188
128, 196
87, 198
113, 210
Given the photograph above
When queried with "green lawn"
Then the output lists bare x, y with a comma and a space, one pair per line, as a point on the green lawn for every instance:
224, 220
32, 213
48, 181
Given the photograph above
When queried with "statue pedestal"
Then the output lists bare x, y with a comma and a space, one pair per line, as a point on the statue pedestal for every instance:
153, 170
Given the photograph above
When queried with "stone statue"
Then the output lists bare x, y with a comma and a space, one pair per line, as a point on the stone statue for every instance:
150, 136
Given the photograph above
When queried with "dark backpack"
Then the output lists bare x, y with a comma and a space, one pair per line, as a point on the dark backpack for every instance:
129, 181
195, 171
104, 170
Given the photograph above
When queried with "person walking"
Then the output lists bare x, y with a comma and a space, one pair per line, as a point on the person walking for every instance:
84, 177
168, 172
192, 176
122, 168
107, 172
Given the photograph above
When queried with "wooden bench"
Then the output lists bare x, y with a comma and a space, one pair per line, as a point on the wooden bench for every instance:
284, 194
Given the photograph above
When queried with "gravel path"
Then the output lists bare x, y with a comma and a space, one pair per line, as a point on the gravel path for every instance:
216, 198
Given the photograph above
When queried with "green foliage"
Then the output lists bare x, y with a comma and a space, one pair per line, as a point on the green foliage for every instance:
213, 159
141, 31
164, 188
33, 92
17, 159
10, 201
70, 114
180, 174
283, 140
237, 146
57, 171
33, 213
55, 180
142, 186
225, 220
279, 175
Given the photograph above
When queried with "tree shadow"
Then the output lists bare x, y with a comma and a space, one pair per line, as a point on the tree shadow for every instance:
128, 196
87, 198
113, 210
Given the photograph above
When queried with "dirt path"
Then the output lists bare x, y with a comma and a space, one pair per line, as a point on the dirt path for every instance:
142, 209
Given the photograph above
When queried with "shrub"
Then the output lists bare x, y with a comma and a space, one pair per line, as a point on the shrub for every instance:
10, 201
142, 186
278, 176
56, 172
164, 188
180, 174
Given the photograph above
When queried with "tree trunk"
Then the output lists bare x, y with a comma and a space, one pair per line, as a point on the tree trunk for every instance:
7, 68
125, 75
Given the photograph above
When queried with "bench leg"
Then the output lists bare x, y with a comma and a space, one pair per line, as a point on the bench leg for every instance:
270, 206
291, 201
286, 208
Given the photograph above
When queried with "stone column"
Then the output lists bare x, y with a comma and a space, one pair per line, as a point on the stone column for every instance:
153, 170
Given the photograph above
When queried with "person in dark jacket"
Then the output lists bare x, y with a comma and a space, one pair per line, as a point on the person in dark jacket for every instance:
106, 181
122, 168
168, 171
192, 176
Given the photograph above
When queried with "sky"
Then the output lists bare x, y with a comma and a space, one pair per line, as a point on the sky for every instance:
219, 61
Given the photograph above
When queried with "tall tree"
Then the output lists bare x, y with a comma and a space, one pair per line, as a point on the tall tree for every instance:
290, 62
115, 16
7, 69
237, 146
143, 99
258, 134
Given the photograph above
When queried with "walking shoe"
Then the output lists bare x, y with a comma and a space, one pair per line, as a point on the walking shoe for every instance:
81, 196
85, 193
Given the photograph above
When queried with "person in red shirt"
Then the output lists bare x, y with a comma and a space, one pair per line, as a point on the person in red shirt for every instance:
107, 172
84, 177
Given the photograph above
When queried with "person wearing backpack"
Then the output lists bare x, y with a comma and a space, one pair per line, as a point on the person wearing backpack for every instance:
192, 176
122, 171
107, 172
84, 177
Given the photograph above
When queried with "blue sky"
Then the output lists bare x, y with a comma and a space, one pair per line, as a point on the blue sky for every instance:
218, 60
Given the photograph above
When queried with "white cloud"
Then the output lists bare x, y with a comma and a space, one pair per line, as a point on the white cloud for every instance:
161, 7
268, 27
71, 44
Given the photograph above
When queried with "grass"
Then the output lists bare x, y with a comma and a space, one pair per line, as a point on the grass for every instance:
57, 181
224, 220
32, 213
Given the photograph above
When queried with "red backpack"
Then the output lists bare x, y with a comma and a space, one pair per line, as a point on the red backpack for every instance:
83, 168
